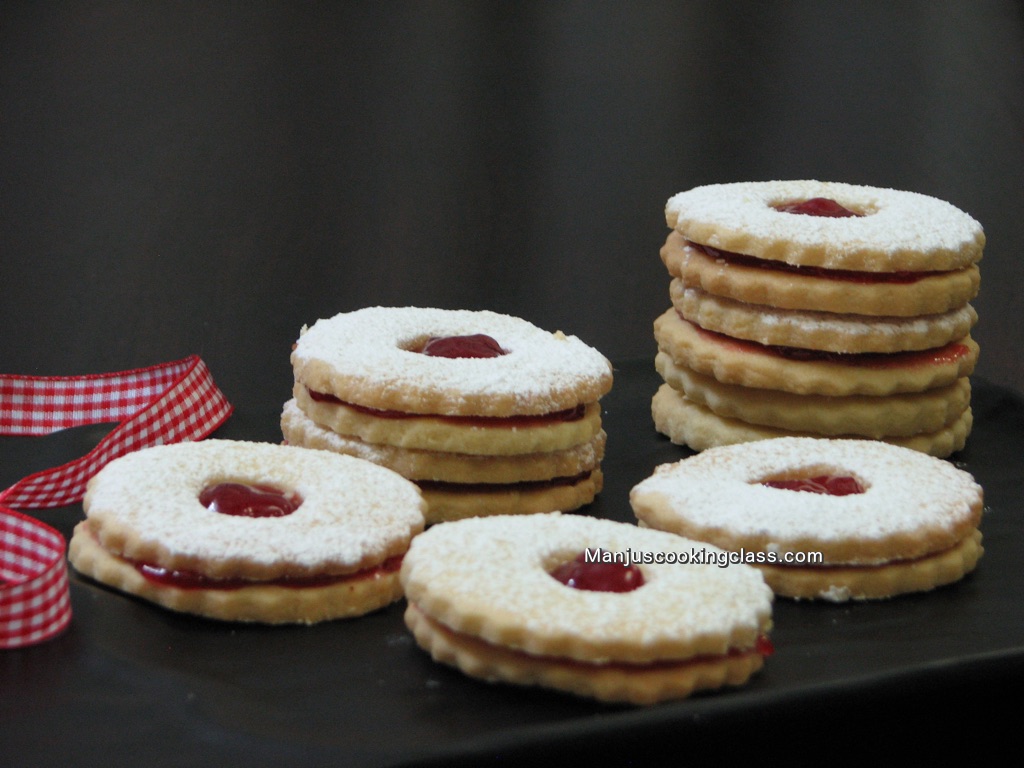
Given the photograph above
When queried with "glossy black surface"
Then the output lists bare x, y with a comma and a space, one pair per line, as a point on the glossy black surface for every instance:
168, 689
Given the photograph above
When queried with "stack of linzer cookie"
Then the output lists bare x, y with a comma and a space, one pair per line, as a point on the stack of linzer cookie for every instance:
486, 413
817, 309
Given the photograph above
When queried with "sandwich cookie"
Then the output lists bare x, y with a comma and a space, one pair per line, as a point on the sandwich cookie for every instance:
248, 532
487, 413
590, 607
817, 290
824, 519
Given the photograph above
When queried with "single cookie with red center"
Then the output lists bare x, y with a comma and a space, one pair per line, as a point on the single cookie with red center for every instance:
590, 607
818, 290
248, 532
828, 225
824, 519
488, 413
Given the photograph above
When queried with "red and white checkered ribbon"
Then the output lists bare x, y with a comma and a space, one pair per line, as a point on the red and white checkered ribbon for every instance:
168, 403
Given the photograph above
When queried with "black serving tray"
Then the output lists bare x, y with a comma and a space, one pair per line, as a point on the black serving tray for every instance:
132, 684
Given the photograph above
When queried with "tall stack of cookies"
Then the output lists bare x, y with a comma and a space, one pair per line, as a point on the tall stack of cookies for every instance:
807, 308
488, 414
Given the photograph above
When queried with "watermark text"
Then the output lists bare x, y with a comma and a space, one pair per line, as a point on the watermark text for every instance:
701, 556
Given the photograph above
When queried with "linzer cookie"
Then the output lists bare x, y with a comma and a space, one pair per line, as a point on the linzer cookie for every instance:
827, 331
805, 372
778, 284
486, 413
248, 532
585, 606
869, 229
824, 519
693, 425
798, 308
904, 415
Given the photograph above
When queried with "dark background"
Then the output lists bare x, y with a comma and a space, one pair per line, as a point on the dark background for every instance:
180, 177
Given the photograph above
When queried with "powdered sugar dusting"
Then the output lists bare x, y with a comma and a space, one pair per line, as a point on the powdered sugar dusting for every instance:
894, 223
372, 349
352, 510
907, 492
469, 569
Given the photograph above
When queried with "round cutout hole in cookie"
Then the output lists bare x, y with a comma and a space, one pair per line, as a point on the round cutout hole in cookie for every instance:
824, 207
474, 345
598, 570
241, 499
826, 483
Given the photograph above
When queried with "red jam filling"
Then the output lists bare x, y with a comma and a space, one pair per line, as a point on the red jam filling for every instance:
474, 345
763, 647
243, 500
846, 275
525, 485
948, 354
597, 576
182, 579
830, 485
817, 206
939, 356
569, 414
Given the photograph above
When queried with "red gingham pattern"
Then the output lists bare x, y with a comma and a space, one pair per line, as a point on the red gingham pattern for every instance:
34, 600
168, 403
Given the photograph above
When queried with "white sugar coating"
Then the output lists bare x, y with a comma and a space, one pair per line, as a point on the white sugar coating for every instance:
907, 492
366, 354
353, 512
907, 230
490, 577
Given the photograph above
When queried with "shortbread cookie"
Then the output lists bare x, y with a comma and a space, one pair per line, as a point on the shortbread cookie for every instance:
513, 599
429, 391
890, 230
251, 532
734, 361
458, 485
824, 331
820, 309
773, 283
834, 519
484, 435
688, 423
374, 358
758, 281
455, 501
898, 415
446, 466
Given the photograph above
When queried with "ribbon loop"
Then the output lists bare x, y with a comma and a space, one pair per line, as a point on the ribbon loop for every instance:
34, 601
167, 403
